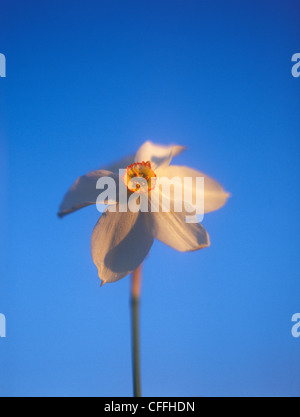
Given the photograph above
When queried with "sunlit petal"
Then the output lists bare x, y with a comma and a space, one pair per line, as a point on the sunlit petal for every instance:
84, 192
120, 164
214, 194
120, 243
172, 229
158, 155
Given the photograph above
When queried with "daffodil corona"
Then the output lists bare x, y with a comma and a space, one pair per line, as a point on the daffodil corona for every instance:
140, 177
122, 238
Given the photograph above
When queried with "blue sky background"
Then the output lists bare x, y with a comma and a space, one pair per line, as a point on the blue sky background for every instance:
88, 82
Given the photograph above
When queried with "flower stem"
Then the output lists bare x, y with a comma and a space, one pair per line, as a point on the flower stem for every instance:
135, 308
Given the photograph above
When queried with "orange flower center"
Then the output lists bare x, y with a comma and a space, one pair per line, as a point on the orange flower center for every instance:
140, 177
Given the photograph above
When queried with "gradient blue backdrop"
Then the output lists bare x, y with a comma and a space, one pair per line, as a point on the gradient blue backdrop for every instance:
88, 82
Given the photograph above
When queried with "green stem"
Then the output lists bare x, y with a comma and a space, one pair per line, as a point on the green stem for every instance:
135, 309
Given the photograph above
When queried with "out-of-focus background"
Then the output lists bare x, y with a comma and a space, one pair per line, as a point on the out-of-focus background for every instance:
87, 82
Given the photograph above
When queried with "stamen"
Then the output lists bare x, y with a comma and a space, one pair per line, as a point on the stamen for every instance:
140, 177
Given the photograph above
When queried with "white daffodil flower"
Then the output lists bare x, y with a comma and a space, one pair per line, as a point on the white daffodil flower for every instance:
122, 238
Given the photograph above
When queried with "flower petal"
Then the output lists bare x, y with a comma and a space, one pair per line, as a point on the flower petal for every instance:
158, 155
84, 192
214, 194
120, 243
171, 229
120, 164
